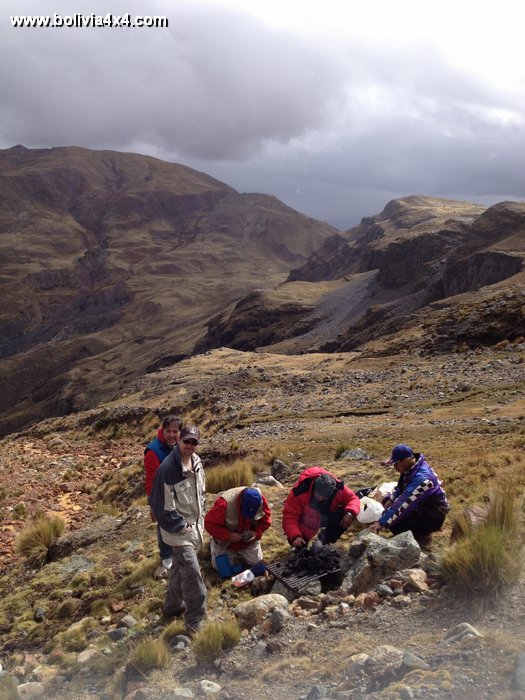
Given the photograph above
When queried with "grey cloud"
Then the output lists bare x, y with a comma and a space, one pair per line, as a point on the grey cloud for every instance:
215, 85
334, 129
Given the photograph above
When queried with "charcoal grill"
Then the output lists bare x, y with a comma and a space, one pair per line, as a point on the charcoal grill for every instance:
295, 582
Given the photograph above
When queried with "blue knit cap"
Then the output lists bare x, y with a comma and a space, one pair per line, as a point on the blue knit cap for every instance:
251, 500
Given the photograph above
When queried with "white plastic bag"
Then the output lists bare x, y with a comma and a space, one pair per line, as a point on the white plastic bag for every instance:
371, 510
243, 579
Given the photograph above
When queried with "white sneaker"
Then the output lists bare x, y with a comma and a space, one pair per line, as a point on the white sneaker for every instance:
167, 563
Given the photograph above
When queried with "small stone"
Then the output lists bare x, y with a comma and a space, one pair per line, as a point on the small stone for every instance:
460, 631
127, 621
39, 615
355, 453
116, 634
209, 687
86, 656
411, 662
384, 590
259, 650
402, 600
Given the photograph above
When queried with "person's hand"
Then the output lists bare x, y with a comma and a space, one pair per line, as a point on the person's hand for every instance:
375, 527
299, 542
348, 519
235, 537
248, 535
152, 515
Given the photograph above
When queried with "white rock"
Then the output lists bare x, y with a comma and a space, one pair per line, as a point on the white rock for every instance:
209, 687
86, 656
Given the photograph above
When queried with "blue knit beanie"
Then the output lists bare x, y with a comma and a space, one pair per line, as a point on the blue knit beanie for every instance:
251, 500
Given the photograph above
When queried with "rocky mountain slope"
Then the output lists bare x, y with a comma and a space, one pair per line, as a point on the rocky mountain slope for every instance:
116, 264
393, 275
113, 263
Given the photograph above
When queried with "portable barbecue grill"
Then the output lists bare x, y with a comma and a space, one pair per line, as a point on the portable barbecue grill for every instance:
296, 581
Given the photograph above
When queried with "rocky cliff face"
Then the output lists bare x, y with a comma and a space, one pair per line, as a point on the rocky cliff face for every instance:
367, 284
113, 263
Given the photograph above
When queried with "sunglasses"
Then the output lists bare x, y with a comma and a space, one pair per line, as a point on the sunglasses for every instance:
191, 442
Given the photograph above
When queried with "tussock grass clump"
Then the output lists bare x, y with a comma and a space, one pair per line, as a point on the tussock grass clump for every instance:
280, 451
74, 638
8, 689
341, 447
215, 638
239, 473
66, 609
172, 630
34, 541
107, 509
143, 573
99, 608
149, 654
488, 557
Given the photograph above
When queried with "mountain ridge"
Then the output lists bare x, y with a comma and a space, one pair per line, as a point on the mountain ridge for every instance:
113, 262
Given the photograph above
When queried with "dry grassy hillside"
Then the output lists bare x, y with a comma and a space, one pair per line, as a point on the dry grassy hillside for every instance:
464, 410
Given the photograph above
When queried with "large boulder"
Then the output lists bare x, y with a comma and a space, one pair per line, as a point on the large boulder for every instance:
254, 612
371, 558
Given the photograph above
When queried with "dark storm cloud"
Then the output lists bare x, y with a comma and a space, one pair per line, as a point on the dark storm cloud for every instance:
216, 84
334, 127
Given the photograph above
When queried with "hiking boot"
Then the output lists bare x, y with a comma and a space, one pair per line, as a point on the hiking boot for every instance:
171, 614
425, 542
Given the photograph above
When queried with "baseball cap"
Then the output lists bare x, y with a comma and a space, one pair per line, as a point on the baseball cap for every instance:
400, 452
190, 431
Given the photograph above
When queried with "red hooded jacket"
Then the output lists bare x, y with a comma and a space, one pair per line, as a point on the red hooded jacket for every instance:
300, 518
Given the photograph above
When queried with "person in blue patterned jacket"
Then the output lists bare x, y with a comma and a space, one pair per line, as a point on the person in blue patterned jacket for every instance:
418, 502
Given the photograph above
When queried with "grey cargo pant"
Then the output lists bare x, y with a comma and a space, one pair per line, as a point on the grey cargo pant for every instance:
186, 589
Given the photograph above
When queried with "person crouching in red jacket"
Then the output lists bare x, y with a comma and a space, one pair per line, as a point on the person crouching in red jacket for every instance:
318, 502
236, 523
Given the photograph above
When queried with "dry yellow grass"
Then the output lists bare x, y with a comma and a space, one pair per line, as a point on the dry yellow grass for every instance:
227, 476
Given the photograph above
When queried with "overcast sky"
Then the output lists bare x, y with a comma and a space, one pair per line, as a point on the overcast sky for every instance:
334, 106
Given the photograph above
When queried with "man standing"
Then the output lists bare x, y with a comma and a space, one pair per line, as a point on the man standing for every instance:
418, 502
318, 501
157, 450
236, 523
177, 500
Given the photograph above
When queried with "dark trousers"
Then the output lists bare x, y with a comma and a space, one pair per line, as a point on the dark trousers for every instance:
332, 529
186, 589
422, 522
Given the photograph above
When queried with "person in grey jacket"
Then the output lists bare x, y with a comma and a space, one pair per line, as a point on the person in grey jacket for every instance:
177, 500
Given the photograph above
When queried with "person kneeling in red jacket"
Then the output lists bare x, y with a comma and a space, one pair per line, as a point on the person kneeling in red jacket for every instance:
318, 502
236, 523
